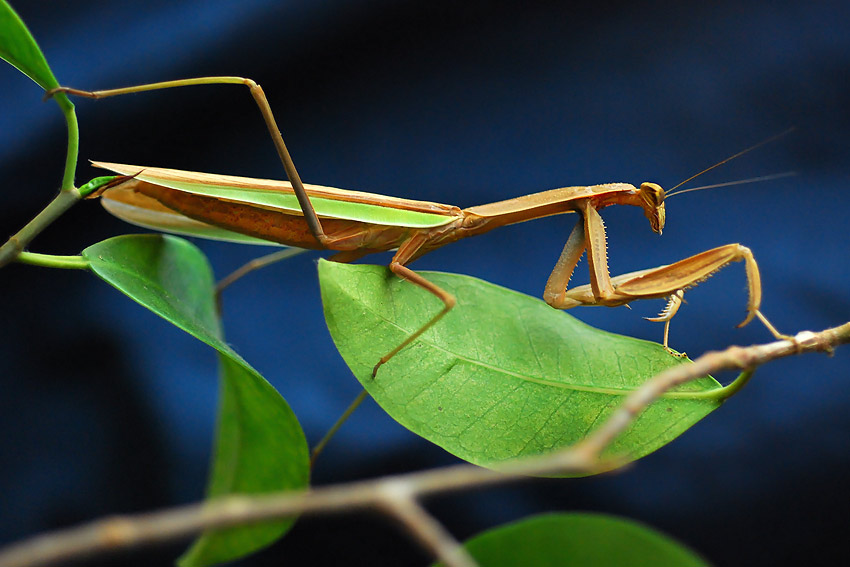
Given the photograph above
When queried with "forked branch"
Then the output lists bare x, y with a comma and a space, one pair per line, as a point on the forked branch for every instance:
397, 495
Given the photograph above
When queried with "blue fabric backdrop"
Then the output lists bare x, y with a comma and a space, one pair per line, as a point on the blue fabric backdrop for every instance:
104, 408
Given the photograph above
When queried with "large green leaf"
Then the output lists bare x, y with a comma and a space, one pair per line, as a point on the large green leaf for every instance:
18, 47
502, 375
253, 455
578, 540
260, 446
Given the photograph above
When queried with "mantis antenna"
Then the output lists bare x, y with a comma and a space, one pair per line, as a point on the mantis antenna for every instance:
730, 158
730, 183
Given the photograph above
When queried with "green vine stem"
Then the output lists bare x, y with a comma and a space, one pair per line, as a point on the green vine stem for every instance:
73, 151
16, 244
68, 195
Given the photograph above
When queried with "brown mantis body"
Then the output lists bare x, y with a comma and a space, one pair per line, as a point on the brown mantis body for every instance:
353, 238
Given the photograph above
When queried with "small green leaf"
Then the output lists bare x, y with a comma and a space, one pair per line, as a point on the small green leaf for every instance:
18, 47
260, 446
578, 540
502, 375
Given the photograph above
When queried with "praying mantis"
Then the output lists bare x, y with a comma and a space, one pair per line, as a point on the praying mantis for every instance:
355, 224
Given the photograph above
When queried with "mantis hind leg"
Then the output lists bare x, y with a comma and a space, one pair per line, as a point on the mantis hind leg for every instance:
310, 217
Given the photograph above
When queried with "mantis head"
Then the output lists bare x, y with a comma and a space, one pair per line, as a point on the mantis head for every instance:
651, 197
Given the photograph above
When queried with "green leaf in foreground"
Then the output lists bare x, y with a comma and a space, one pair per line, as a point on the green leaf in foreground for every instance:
502, 375
18, 47
578, 540
260, 446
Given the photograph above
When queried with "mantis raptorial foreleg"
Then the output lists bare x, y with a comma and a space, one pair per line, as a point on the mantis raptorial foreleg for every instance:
597, 252
662, 282
556, 286
589, 235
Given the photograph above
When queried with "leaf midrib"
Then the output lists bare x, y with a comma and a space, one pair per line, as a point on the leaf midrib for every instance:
611, 391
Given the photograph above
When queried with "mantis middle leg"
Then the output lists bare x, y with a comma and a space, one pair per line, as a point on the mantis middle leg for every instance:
406, 252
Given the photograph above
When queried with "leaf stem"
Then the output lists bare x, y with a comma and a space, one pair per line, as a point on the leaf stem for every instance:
735, 386
51, 261
718, 394
68, 194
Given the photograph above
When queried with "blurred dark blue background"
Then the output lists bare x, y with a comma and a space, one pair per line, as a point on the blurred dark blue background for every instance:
104, 408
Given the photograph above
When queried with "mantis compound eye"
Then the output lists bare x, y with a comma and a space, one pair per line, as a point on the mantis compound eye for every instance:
652, 201
653, 192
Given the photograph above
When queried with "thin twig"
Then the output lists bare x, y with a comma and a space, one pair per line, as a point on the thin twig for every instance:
400, 502
133, 531
711, 362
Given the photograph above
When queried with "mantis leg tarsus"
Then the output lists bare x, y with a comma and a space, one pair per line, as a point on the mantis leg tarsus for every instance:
673, 303
666, 315
754, 286
771, 328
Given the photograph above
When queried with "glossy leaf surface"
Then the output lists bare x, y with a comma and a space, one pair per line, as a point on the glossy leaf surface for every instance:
18, 47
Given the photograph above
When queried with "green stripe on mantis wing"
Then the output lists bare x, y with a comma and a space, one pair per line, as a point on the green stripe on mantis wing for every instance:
278, 195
